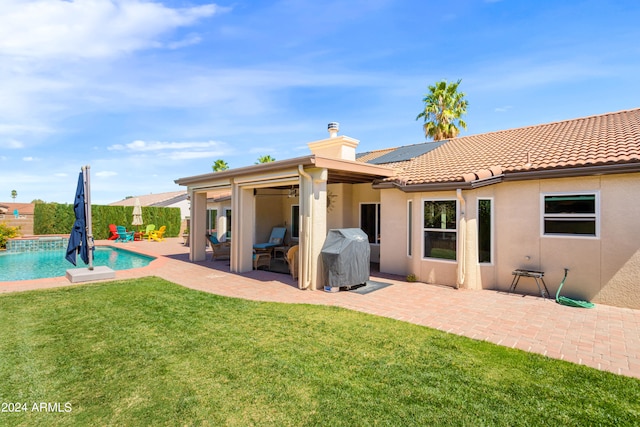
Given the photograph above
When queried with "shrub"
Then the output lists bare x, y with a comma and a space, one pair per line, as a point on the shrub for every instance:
7, 233
412, 278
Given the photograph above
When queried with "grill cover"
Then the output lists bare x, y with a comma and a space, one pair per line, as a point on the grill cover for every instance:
345, 256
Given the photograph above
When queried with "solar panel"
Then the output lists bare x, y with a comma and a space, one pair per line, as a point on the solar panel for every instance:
407, 152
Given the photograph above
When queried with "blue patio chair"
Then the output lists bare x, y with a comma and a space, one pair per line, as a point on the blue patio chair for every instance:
276, 239
123, 234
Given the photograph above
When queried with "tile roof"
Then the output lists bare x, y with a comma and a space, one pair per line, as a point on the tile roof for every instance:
23, 208
607, 139
158, 199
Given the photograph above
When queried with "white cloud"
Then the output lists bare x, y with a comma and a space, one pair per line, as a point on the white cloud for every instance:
11, 144
89, 28
187, 41
141, 146
106, 174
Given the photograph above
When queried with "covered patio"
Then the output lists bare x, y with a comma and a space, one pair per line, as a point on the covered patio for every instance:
306, 195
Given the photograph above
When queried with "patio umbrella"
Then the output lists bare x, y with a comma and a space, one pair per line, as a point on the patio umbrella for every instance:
78, 236
137, 213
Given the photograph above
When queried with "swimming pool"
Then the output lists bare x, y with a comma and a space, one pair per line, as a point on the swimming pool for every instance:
16, 266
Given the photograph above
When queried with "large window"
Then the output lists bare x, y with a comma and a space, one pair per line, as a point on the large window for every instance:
440, 229
370, 221
485, 230
570, 214
295, 221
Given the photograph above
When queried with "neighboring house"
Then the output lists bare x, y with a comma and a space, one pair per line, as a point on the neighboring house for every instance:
18, 215
463, 213
173, 199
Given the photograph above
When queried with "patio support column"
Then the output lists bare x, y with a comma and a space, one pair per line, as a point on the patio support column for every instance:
313, 210
198, 230
242, 226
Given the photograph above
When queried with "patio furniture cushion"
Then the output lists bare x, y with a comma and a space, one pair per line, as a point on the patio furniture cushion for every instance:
276, 239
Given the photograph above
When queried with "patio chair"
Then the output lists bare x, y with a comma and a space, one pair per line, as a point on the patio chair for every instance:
158, 235
276, 239
123, 234
220, 250
114, 232
261, 259
292, 260
148, 230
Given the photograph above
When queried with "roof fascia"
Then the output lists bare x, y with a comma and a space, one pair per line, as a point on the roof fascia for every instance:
573, 172
417, 188
246, 170
355, 166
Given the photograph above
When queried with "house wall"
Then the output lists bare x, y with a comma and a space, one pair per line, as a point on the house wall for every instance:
269, 208
394, 257
620, 252
602, 269
339, 209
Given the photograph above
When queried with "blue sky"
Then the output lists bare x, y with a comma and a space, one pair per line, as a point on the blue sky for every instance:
149, 91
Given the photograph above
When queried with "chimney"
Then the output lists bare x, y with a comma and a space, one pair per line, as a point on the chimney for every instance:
335, 147
333, 128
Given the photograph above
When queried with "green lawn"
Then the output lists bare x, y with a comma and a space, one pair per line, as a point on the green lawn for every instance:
148, 352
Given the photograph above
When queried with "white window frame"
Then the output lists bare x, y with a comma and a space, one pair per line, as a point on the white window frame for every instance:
493, 229
595, 215
457, 221
377, 220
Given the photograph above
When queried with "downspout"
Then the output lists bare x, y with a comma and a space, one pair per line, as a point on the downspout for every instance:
306, 278
462, 245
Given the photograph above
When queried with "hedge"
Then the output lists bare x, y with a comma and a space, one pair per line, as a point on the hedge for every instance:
58, 218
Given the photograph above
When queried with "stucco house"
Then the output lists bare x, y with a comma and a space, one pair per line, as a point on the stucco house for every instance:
463, 213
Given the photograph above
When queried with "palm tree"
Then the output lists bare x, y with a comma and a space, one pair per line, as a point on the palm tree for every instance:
443, 107
14, 194
265, 159
220, 165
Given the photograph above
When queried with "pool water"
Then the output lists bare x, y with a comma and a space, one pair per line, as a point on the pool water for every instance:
42, 264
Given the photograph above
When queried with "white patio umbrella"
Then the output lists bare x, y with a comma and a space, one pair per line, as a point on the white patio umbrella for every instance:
137, 213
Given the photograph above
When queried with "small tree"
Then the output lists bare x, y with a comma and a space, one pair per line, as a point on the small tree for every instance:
443, 107
14, 194
7, 233
265, 159
220, 165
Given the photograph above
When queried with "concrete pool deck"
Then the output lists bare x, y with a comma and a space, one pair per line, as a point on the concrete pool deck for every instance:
605, 337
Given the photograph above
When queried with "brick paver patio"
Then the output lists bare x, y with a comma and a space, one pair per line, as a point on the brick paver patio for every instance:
606, 338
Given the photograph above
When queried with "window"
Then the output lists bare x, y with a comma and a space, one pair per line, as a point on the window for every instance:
440, 229
370, 221
295, 221
212, 219
409, 226
570, 214
485, 230
228, 215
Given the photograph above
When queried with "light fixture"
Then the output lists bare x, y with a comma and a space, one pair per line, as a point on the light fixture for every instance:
293, 192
